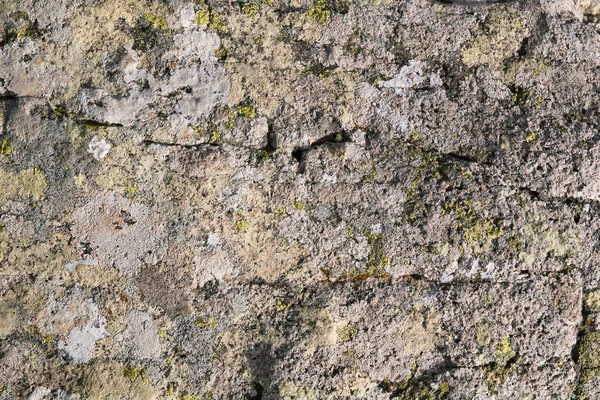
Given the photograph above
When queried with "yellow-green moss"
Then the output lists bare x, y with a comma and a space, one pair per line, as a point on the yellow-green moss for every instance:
247, 112
215, 135
230, 120
588, 356
280, 212
5, 147
515, 243
133, 372
202, 17
319, 12
203, 323
588, 350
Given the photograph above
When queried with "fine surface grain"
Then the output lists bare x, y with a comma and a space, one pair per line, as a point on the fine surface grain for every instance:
299, 199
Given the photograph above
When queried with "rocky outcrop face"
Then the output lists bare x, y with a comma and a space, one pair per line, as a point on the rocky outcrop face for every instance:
298, 199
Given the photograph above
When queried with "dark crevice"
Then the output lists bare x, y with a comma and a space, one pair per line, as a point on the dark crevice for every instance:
271, 139
8, 96
577, 349
91, 122
185, 146
300, 153
470, 2
465, 158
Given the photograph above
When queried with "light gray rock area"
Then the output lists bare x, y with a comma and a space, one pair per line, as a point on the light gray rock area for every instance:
299, 199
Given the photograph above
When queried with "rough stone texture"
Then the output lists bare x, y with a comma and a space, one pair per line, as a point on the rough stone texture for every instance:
272, 199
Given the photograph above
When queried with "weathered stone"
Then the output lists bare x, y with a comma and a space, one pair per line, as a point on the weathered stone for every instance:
322, 199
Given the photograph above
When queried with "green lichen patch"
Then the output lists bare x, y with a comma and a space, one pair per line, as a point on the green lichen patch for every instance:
146, 36
28, 183
246, 111
377, 259
498, 39
588, 350
206, 323
17, 26
320, 11
207, 17
414, 206
221, 53
466, 221
496, 373
592, 302
5, 148
251, 9
133, 373
190, 397
4, 242
281, 306
157, 22
531, 138
587, 357
211, 132
318, 69
483, 336
241, 226
430, 166
520, 95
298, 205
375, 267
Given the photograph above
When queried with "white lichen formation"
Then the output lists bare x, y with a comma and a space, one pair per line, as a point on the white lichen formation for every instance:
98, 147
81, 341
213, 240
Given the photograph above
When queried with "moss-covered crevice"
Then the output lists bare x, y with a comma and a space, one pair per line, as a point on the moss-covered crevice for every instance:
18, 25
496, 373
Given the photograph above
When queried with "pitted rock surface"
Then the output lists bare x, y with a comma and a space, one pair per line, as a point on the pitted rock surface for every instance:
299, 199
